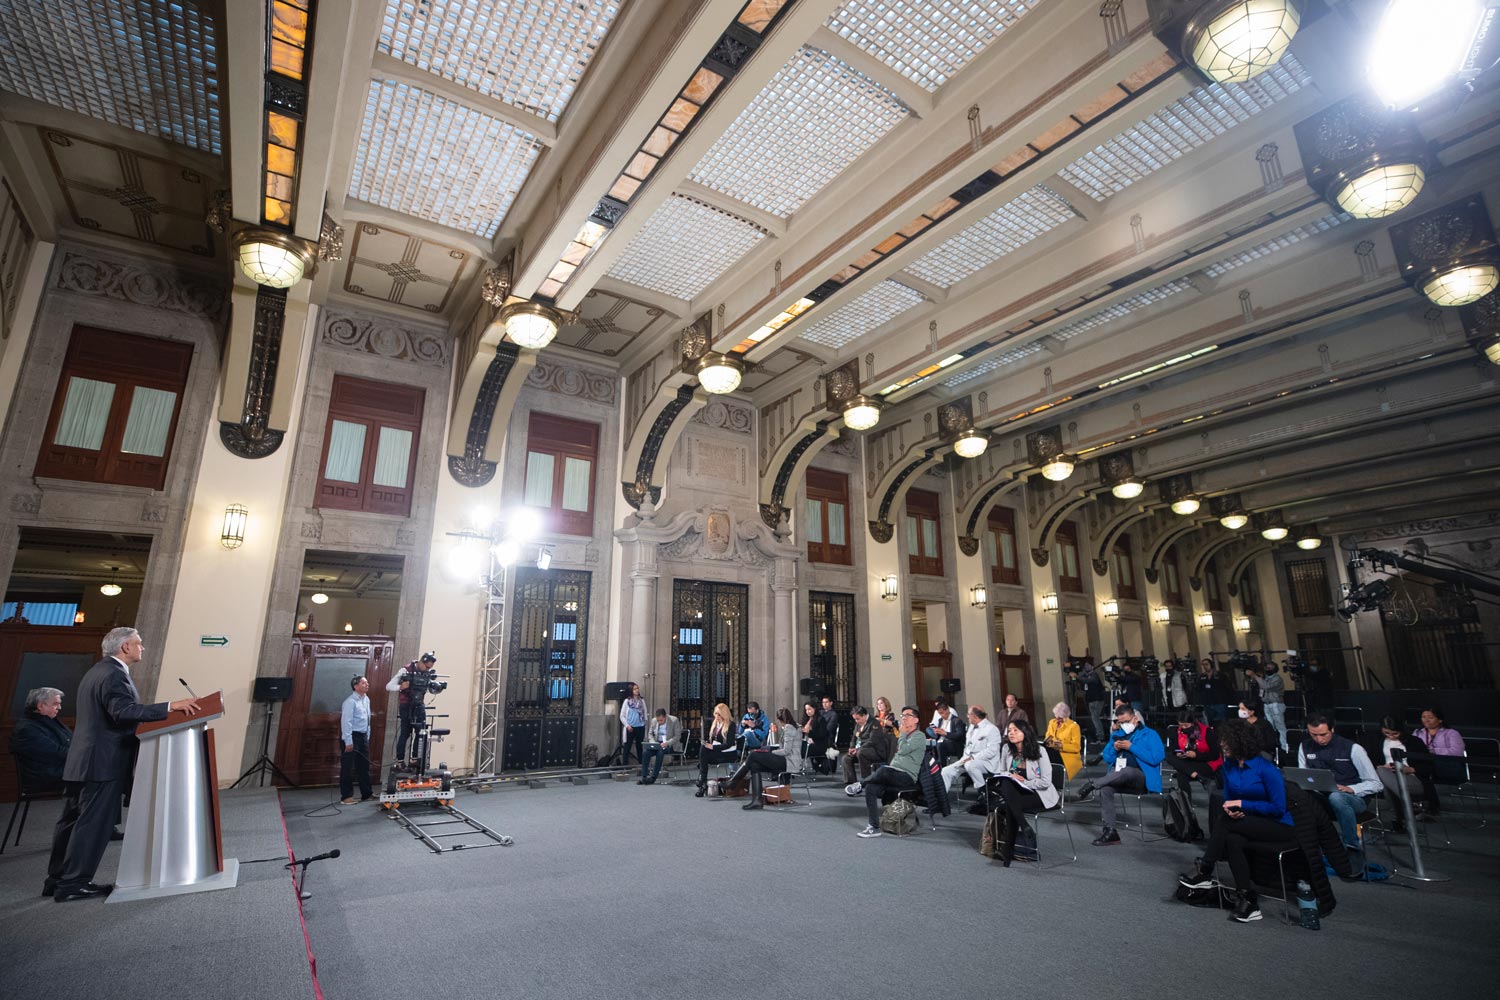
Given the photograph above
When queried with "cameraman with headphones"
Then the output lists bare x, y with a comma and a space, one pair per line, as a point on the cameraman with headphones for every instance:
413, 710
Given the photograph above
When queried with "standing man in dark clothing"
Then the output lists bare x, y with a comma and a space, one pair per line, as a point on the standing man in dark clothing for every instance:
412, 710
99, 762
40, 742
1214, 691
1096, 698
825, 734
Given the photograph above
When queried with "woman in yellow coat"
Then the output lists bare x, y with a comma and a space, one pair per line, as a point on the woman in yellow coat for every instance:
1063, 736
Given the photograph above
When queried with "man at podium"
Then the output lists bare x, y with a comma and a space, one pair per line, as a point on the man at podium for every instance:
99, 764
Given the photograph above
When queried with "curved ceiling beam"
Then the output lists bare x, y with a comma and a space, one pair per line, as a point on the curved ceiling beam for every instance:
1245, 559
1158, 546
662, 422
979, 509
1053, 516
891, 490
493, 374
1201, 559
790, 462
1114, 528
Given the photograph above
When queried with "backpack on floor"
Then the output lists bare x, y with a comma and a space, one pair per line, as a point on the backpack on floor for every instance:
900, 818
1178, 818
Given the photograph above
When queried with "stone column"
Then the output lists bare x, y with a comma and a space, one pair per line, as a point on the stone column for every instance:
784, 672
641, 664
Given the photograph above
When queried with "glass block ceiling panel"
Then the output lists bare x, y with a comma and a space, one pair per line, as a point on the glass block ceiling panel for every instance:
926, 41
530, 53
1004, 231
1179, 128
1122, 308
874, 308
815, 117
147, 65
683, 247
1289, 238
438, 160
992, 364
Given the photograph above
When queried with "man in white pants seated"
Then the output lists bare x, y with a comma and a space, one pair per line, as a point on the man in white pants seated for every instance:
981, 756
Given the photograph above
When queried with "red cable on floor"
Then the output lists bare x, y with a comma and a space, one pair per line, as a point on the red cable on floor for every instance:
312, 961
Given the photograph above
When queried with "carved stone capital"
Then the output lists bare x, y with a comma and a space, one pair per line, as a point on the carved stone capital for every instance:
882, 531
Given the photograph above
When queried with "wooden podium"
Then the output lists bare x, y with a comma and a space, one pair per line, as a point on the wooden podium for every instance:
173, 841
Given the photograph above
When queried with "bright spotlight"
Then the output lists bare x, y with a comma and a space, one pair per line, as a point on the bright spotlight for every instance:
466, 562
1420, 46
523, 524
507, 551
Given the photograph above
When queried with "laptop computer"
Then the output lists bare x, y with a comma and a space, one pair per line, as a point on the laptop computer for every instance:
1312, 779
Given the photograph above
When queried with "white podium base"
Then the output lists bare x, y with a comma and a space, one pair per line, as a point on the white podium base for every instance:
226, 879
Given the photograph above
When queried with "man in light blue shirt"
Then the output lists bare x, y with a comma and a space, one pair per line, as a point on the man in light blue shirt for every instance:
354, 727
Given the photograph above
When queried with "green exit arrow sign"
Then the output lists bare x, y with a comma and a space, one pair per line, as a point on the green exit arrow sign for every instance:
213, 640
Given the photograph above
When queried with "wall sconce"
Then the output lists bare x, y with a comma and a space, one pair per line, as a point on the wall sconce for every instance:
348, 627
1161, 615
1206, 620
1111, 609
1049, 603
1242, 624
302, 626
544, 559
978, 596
78, 618
888, 588
232, 535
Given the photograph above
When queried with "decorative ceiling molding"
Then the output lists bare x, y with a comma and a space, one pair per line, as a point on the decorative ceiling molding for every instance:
389, 265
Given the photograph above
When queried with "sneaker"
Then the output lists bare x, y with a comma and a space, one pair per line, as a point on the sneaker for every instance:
1246, 910
857, 788
869, 831
1198, 878
1107, 838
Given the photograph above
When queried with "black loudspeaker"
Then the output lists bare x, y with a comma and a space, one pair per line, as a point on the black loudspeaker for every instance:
810, 687
272, 689
617, 690
951, 685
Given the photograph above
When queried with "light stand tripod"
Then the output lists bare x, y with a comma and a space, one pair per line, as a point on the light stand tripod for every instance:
264, 764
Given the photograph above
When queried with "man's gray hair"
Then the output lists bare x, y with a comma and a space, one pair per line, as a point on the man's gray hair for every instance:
117, 637
36, 696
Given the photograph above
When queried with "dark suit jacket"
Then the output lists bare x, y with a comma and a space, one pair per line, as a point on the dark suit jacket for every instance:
41, 746
108, 710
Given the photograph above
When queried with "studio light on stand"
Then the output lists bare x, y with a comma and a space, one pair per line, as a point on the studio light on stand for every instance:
1422, 48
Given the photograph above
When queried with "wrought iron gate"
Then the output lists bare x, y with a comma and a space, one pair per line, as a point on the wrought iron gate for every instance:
831, 632
710, 649
545, 669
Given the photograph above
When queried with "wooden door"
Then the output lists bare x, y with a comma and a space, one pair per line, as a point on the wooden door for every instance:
308, 746
33, 656
1015, 678
931, 670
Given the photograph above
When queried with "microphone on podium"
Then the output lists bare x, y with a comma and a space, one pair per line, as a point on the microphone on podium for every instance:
185, 684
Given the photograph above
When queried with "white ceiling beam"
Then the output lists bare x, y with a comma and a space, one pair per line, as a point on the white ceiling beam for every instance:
355, 84
914, 97
387, 67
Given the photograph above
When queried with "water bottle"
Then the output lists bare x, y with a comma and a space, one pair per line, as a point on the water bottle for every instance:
1307, 907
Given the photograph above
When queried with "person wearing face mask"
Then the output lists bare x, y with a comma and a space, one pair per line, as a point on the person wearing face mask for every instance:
1194, 754
1133, 756
1265, 734
1065, 739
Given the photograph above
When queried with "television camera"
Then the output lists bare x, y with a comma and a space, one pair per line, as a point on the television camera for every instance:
415, 779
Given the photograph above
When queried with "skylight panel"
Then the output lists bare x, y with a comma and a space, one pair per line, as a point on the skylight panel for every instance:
873, 309
926, 41
141, 64
531, 54
684, 247
439, 160
815, 118
1007, 229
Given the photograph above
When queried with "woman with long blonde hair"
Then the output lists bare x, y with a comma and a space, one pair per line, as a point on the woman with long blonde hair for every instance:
719, 745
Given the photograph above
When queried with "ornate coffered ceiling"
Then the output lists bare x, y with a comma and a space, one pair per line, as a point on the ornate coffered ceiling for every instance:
388, 265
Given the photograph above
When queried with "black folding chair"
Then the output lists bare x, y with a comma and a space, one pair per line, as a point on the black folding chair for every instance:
25, 793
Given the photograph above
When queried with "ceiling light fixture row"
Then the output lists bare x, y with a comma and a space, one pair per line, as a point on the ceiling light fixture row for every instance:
706, 82
1363, 158
1449, 254
1227, 41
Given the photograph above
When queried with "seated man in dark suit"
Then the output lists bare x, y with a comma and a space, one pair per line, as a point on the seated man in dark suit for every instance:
99, 763
40, 742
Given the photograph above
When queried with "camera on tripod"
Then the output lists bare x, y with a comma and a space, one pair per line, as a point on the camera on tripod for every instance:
424, 681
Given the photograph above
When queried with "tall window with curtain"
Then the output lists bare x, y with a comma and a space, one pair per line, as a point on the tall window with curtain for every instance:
825, 522
114, 415
561, 456
370, 446
1000, 546
1065, 551
924, 535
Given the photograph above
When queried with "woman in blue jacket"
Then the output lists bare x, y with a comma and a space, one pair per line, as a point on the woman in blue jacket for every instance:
1254, 810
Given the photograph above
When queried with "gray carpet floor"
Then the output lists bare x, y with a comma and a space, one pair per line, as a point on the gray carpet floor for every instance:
618, 890
242, 942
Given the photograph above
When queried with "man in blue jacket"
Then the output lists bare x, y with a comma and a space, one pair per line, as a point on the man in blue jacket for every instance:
1133, 756
754, 727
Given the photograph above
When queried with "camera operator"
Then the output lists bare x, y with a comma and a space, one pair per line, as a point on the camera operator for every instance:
412, 682
1131, 688
1272, 695
1094, 695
